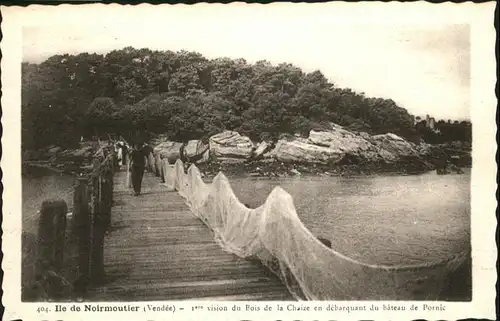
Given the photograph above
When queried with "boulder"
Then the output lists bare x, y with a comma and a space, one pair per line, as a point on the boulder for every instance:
393, 148
462, 160
204, 157
230, 144
158, 140
195, 151
85, 151
424, 149
299, 150
346, 142
169, 150
51, 151
365, 135
449, 168
54, 150
261, 148
428, 151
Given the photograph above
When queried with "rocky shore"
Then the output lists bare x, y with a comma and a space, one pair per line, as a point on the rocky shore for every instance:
72, 161
333, 152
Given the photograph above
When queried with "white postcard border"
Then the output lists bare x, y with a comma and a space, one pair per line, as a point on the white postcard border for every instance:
483, 202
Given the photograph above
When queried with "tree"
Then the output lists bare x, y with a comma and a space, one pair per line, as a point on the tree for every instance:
100, 115
189, 96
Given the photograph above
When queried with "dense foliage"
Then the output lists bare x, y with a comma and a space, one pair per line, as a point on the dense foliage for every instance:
445, 131
187, 96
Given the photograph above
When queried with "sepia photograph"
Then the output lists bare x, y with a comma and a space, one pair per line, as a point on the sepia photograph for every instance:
239, 154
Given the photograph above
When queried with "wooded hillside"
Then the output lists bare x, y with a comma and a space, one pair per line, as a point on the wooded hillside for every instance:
188, 96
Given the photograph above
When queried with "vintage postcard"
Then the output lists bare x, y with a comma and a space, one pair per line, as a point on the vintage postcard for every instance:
249, 162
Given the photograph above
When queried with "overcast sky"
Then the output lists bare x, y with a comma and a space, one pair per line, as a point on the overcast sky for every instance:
424, 68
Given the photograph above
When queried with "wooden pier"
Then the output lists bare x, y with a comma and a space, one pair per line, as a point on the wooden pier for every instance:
156, 249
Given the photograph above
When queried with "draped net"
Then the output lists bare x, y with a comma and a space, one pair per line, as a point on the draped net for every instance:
274, 234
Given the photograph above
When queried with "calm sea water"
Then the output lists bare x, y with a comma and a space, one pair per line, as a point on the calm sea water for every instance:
384, 219
39, 185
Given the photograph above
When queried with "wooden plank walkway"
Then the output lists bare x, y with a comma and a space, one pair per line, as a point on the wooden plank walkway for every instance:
158, 250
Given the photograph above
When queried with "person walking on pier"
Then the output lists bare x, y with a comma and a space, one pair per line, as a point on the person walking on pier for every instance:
137, 167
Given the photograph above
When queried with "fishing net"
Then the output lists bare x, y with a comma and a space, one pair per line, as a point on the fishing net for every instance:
274, 234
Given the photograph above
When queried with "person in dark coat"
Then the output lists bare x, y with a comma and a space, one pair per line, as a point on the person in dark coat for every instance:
137, 167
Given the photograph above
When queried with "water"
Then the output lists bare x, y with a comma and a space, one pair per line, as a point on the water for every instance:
382, 220
40, 184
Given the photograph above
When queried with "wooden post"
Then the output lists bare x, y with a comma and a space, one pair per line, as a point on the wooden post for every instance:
82, 228
111, 184
51, 237
98, 230
101, 202
106, 197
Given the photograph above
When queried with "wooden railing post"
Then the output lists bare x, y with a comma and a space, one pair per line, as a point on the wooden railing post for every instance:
51, 237
82, 221
102, 199
111, 180
106, 196
97, 235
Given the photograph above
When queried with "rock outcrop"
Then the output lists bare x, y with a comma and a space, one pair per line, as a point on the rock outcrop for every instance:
169, 150
333, 151
431, 152
395, 145
230, 145
195, 151
449, 168
261, 148
60, 160
54, 150
353, 145
397, 150
344, 147
300, 150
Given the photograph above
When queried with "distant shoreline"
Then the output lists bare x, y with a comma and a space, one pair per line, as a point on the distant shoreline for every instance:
276, 169
256, 169
75, 161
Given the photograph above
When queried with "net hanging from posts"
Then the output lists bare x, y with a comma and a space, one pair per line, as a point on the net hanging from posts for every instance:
274, 234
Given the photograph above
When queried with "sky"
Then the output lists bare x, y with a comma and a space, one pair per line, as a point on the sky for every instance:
424, 68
